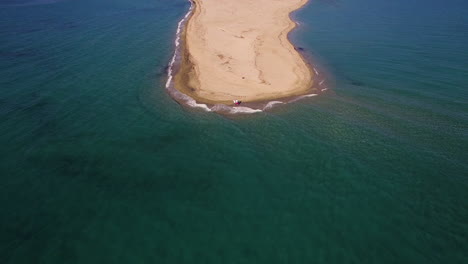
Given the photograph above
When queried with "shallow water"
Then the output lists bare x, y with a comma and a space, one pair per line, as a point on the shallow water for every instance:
99, 164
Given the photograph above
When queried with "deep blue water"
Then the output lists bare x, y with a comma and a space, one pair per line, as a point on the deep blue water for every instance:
99, 165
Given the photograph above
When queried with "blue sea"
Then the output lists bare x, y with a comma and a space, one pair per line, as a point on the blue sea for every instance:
98, 164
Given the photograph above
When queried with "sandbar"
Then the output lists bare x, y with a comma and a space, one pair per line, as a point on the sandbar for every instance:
239, 50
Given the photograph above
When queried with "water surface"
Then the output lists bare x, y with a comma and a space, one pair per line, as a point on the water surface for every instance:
99, 164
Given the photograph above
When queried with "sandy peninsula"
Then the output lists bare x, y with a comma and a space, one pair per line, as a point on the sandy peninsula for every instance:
239, 49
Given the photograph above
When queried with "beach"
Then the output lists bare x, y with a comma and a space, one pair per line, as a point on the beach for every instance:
239, 50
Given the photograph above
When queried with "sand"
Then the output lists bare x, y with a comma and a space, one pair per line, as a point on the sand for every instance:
239, 49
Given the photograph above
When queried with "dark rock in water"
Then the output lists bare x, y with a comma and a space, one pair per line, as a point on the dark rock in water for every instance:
69, 25
299, 48
17, 54
357, 83
29, 2
161, 71
31, 30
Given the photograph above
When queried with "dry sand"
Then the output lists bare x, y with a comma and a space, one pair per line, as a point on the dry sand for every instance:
239, 49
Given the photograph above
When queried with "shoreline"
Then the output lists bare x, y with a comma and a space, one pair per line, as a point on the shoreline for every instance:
187, 77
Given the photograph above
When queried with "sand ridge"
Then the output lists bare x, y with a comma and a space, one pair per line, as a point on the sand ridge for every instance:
240, 50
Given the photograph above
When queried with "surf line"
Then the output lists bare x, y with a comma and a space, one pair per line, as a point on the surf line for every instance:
316, 72
177, 45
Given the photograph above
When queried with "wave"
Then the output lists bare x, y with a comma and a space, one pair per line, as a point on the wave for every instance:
302, 97
270, 104
220, 108
316, 72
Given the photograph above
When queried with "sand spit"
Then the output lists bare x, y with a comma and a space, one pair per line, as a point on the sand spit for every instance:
240, 50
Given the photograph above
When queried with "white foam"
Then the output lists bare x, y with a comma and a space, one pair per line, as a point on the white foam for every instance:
271, 104
316, 72
243, 110
188, 100
302, 97
234, 109
320, 83
307, 95
194, 103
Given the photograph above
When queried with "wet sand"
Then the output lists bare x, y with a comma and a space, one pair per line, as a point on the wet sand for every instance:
240, 50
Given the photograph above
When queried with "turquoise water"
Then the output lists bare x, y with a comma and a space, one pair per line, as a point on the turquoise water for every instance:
99, 165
